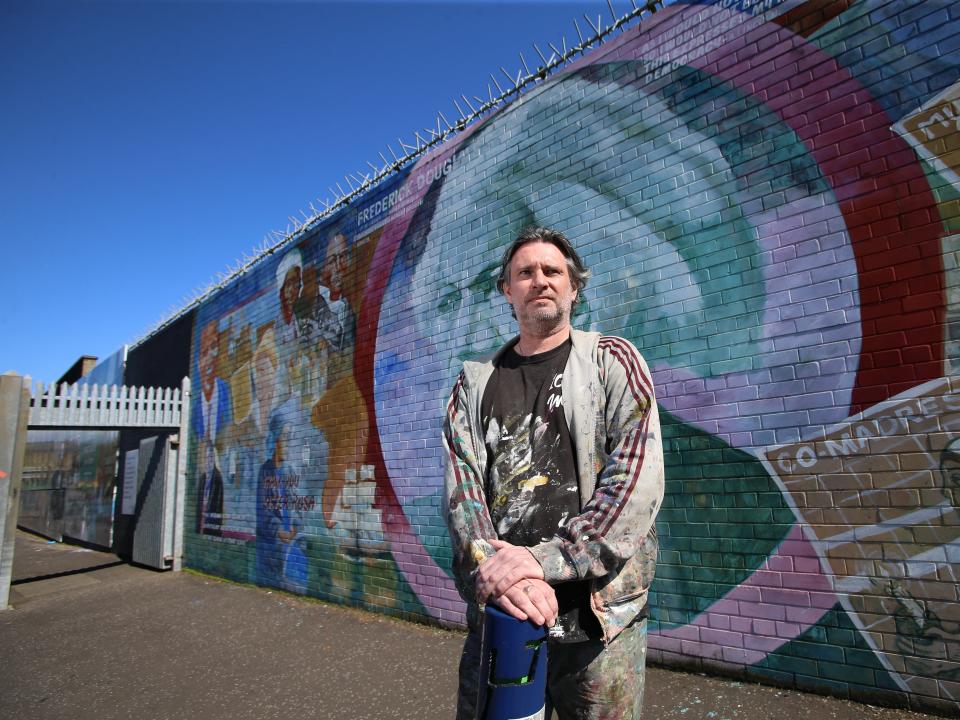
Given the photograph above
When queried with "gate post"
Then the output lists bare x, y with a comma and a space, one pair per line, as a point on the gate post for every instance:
181, 475
14, 415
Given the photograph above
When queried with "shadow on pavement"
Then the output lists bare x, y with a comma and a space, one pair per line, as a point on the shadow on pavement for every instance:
66, 573
107, 640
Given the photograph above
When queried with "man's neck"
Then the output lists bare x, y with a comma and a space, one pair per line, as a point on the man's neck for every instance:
530, 344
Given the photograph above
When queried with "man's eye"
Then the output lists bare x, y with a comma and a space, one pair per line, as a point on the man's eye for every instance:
449, 302
486, 287
485, 281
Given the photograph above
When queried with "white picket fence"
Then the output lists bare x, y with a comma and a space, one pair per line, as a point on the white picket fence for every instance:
107, 406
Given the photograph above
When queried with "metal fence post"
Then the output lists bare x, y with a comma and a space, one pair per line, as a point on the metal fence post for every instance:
181, 476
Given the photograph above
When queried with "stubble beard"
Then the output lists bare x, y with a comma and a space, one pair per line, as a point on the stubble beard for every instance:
544, 321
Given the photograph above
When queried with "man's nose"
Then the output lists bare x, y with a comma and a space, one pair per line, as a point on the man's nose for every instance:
475, 310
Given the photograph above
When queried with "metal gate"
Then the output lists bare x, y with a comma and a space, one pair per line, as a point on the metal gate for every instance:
156, 479
156, 490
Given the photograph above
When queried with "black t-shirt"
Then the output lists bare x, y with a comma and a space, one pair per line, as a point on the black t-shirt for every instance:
532, 486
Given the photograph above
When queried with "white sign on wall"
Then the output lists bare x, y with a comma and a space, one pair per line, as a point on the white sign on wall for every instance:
130, 462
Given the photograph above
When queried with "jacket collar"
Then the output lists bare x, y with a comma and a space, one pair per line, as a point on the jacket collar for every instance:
583, 344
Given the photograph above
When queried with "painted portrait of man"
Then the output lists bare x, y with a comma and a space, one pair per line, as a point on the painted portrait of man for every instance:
689, 263
698, 280
212, 416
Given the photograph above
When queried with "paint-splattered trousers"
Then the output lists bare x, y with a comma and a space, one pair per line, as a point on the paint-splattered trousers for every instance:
585, 680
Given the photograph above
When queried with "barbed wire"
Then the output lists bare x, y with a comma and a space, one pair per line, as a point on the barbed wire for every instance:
359, 183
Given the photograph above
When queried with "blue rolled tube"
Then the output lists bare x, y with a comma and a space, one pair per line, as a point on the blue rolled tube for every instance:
513, 672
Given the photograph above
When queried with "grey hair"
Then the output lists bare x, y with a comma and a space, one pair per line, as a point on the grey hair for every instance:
579, 273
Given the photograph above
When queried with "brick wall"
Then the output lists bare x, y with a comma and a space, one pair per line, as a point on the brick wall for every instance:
767, 194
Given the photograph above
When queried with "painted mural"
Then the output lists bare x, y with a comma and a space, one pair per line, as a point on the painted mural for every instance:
768, 196
283, 493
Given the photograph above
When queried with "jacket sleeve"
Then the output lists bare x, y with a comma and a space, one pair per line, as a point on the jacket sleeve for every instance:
468, 519
615, 521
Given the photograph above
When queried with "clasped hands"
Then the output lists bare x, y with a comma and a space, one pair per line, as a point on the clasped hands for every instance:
514, 580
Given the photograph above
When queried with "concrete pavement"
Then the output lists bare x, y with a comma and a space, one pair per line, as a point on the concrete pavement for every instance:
88, 636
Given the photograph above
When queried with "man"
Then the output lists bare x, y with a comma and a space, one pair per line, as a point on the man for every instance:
554, 476
211, 418
340, 413
289, 285
280, 563
331, 314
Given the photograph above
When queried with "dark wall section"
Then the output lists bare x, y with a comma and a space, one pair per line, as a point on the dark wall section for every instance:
162, 361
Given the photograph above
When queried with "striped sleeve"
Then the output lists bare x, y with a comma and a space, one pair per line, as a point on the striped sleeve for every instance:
468, 519
615, 521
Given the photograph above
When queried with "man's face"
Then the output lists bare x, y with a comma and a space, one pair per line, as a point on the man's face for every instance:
264, 380
539, 288
280, 451
335, 264
290, 290
458, 308
659, 246
208, 357
950, 472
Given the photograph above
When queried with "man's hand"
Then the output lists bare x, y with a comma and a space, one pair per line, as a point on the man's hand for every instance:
506, 568
533, 600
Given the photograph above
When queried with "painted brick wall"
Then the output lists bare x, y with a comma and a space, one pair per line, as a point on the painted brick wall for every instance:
768, 195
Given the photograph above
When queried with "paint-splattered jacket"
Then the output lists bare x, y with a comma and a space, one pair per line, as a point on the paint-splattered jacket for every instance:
612, 414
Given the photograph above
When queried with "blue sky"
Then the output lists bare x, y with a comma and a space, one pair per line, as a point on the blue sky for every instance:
148, 145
